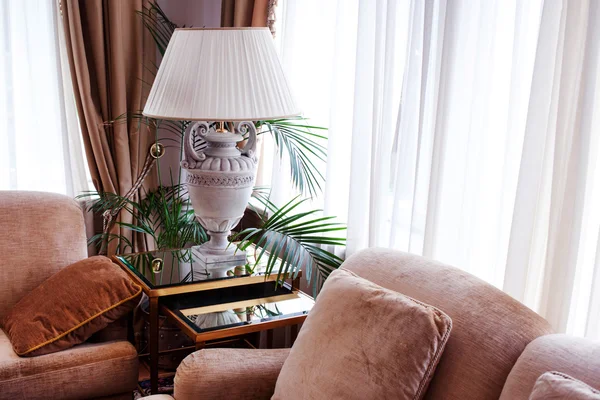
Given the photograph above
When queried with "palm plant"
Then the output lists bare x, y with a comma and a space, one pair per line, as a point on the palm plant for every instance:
165, 215
291, 240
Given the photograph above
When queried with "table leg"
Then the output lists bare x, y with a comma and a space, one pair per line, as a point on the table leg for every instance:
153, 345
130, 330
293, 333
270, 339
296, 283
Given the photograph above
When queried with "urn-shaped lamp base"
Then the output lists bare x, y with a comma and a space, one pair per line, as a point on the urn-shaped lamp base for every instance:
220, 179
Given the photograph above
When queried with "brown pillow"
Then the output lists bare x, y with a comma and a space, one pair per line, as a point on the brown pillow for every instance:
556, 385
70, 306
362, 341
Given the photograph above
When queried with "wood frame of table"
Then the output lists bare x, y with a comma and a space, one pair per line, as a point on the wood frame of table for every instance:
154, 295
200, 338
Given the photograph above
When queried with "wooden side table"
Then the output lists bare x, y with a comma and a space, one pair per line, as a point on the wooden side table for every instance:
176, 285
240, 310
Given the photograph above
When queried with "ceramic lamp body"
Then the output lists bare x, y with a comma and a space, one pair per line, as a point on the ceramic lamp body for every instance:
222, 75
220, 180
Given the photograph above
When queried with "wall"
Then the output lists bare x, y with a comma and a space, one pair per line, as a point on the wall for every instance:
193, 13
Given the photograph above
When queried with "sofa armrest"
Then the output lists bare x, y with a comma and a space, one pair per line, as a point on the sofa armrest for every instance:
158, 397
229, 374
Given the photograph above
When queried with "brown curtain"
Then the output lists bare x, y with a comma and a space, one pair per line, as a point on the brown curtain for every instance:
245, 12
107, 44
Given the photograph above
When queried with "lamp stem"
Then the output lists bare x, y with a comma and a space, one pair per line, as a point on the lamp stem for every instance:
221, 127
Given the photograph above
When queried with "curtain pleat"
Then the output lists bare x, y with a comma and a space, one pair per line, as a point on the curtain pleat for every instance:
106, 44
490, 161
240, 13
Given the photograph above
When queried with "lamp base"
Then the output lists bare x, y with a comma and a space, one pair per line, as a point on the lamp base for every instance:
217, 264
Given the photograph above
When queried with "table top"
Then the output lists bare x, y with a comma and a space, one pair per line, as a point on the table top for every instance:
226, 311
167, 272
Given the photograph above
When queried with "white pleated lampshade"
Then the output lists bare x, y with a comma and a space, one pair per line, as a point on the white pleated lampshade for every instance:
223, 74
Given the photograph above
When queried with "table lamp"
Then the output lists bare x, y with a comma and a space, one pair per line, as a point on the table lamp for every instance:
220, 75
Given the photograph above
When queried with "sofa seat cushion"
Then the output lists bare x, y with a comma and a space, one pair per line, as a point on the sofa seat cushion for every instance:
556, 385
362, 341
84, 371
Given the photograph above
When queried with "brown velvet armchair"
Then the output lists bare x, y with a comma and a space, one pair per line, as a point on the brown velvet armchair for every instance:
40, 233
497, 348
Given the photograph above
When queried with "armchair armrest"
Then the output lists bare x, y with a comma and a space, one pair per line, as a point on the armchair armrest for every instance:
229, 374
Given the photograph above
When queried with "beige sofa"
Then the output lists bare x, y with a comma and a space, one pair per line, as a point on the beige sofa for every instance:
497, 348
40, 233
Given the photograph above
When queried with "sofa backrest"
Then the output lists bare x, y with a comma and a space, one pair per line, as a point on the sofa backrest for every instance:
490, 329
574, 356
40, 233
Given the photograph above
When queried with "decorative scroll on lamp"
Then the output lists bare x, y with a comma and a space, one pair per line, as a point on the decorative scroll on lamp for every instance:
220, 75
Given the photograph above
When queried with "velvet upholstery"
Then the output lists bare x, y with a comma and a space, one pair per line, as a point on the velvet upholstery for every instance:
40, 233
490, 328
363, 341
558, 386
241, 374
70, 306
574, 356
495, 341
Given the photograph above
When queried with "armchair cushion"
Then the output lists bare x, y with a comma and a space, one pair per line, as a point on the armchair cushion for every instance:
241, 374
70, 306
556, 385
362, 341
575, 356
490, 328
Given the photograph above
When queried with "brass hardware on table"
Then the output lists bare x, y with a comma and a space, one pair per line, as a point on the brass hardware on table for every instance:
157, 265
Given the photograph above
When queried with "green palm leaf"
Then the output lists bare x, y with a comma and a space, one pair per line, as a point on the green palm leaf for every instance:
306, 149
164, 214
159, 26
291, 241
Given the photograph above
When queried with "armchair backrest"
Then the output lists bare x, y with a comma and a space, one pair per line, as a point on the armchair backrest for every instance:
40, 233
490, 329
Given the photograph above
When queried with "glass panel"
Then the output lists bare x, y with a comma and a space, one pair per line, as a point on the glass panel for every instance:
176, 267
209, 318
238, 305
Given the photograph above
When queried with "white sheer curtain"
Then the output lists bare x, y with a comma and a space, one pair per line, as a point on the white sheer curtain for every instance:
489, 162
41, 146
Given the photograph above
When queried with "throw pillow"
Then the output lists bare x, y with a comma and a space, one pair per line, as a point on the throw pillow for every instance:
556, 385
362, 341
70, 306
